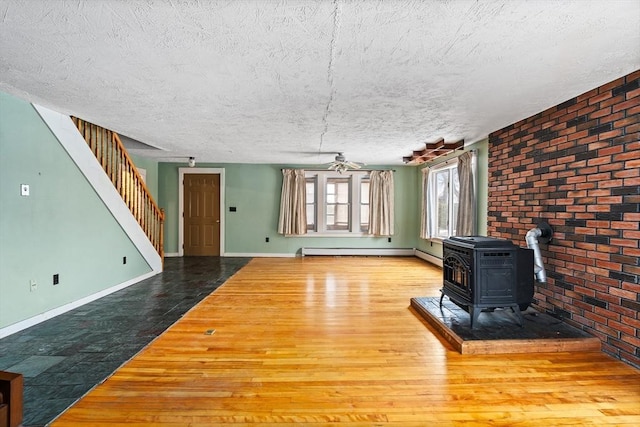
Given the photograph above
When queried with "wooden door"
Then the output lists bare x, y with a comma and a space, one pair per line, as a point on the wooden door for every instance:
202, 215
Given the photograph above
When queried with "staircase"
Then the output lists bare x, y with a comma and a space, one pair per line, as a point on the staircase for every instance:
122, 172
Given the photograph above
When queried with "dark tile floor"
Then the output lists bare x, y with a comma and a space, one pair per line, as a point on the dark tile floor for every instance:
65, 357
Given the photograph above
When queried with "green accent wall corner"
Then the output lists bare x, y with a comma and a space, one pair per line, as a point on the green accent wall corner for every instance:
254, 190
62, 227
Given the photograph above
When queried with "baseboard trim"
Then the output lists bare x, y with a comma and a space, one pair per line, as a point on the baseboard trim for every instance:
357, 251
333, 251
32, 321
258, 255
428, 257
240, 255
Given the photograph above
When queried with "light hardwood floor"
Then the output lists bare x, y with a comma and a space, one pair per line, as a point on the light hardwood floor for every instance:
324, 341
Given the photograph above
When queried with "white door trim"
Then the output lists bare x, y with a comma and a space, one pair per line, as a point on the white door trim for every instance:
181, 173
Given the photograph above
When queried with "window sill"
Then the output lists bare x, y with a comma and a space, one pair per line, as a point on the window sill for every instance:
438, 240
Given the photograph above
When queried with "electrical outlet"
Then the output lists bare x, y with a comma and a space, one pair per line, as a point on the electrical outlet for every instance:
33, 285
266, 239
24, 189
389, 240
56, 279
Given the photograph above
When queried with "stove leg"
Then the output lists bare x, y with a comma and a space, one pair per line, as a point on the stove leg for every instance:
518, 313
473, 315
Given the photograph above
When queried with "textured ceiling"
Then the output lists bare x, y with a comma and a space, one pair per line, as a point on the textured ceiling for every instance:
277, 81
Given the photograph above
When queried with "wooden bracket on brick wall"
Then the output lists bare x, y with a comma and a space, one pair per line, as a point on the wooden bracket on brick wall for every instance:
433, 151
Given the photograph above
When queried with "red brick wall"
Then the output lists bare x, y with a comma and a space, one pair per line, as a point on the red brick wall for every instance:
577, 167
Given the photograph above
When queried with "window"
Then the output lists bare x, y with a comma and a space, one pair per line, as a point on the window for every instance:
364, 205
311, 203
444, 196
337, 203
442, 201
446, 193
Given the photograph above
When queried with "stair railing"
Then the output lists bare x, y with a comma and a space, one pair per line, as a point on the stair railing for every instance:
111, 154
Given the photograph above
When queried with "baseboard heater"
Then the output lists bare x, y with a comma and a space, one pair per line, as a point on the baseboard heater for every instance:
357, 251
429, 258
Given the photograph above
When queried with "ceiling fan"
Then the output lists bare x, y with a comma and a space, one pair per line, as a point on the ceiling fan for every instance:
341, 164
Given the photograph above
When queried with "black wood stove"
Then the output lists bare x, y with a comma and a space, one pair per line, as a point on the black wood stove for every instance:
484, 273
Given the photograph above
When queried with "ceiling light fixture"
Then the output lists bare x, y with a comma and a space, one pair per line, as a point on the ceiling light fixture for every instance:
341, 164
341, 168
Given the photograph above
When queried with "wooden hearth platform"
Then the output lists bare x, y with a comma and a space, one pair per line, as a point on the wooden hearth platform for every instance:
498, 331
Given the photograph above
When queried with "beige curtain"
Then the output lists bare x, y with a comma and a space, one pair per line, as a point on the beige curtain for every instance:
293, 203
426, 226
381, 205
465, 222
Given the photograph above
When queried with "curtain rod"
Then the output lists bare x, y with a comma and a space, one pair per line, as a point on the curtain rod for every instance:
350, 170
474, 151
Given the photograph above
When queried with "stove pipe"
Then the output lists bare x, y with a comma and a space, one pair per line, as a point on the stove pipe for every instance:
545, 231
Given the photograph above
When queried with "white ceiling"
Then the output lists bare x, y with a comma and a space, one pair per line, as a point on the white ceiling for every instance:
277, 81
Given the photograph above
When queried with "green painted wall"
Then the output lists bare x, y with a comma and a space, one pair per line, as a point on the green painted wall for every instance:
434, 247
483, 185
61, 228
254, 189
168, 200
151, 166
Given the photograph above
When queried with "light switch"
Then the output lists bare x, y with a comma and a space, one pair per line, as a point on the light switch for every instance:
24, 189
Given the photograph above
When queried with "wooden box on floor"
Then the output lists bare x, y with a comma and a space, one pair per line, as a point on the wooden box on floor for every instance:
11, 389
4, 414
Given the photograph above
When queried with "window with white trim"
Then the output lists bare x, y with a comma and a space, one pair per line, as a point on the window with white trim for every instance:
311, 203
337, 204
364, 205
448, 206
444, 200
